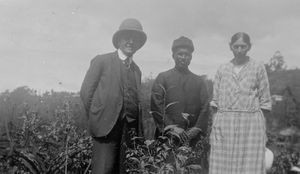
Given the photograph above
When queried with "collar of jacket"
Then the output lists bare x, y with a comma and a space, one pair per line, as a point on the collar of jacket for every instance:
182, 71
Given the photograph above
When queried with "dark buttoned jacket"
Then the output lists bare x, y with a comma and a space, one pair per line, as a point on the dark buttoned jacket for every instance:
174, 93
102, 93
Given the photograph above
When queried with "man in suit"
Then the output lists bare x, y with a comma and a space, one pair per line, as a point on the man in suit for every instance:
179, 97
111, 97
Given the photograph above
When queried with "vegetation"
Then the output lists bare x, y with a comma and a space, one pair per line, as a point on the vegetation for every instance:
45, 133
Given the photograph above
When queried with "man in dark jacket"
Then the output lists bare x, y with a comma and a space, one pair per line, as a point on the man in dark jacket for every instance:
179, 97
111, 97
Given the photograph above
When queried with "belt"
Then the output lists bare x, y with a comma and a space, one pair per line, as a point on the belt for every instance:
239, 110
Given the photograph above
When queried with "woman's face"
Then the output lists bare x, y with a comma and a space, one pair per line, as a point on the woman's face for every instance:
240, 48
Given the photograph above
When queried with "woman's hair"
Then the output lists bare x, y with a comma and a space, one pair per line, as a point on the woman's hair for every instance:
239, 35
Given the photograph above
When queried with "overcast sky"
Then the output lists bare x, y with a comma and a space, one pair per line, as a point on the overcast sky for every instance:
48, 44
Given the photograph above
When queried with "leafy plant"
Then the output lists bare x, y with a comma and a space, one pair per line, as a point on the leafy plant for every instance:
38, 146
163, 155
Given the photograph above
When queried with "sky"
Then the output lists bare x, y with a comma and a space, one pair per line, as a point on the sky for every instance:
49, 44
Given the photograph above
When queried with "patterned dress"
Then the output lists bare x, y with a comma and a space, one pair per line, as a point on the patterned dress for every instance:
238, 136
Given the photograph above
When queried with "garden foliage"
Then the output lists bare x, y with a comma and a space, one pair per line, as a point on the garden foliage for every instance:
45, 133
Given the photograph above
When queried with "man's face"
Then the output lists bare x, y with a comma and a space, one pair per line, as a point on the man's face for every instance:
128, 44
182, 57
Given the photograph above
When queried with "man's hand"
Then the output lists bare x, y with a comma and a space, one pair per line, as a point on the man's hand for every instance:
184, 137
193, 132
182, 134
178, 132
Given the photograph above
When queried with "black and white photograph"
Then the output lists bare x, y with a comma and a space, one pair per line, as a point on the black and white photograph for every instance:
150, 87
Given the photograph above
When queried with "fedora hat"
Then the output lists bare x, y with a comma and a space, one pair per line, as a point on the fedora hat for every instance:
130, 26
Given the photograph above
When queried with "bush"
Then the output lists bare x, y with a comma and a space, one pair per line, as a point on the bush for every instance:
166, 155
46, 147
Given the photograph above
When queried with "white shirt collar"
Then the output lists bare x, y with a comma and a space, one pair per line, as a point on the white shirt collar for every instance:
122, 56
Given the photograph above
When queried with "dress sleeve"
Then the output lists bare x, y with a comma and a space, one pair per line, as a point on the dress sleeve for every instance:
216, 89
264, 89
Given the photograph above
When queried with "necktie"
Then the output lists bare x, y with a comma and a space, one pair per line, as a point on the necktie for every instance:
127, 62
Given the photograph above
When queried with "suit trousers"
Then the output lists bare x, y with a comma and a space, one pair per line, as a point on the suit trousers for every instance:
106, 151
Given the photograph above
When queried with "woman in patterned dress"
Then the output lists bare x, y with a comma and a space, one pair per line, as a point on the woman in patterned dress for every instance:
241, 98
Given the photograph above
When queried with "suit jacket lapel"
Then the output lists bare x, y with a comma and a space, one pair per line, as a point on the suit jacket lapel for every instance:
137, 79
116, 70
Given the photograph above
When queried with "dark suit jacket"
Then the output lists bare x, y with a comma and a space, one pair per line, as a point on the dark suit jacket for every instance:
102, 93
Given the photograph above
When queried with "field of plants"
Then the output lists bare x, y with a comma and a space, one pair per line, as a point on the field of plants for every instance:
46, 133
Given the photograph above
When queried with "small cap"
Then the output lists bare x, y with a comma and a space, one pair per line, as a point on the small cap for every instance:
183, 42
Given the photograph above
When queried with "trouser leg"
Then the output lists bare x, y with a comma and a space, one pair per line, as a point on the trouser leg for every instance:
105, 157
106, 151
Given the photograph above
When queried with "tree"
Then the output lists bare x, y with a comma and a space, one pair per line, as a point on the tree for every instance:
276, 63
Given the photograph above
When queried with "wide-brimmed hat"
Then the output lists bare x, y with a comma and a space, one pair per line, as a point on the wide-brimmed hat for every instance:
183, 42
130, 26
